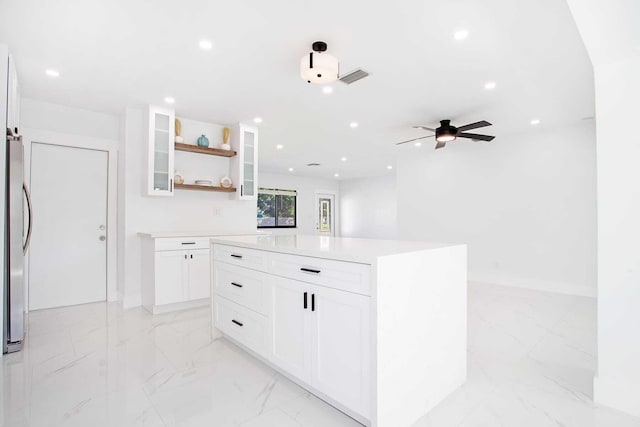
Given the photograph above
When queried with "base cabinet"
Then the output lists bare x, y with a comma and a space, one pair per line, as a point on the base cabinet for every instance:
316, 334
176, 274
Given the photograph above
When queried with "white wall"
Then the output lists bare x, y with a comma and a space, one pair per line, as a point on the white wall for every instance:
525, 205
611, 34
69, 120
368, 207
306, 199
185, 211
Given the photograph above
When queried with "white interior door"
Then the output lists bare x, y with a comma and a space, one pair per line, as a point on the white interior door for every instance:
325, 214
68, 252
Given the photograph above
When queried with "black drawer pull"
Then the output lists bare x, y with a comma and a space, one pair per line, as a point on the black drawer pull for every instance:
313, 302
310, 270
236, 256
237, 323
305, 301
236, 284
188, 243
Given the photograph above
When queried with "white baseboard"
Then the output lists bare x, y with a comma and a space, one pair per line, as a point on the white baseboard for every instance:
617, 394
534, 284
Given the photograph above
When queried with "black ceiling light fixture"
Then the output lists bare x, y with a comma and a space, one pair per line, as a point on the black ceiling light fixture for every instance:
318, 66
446, 132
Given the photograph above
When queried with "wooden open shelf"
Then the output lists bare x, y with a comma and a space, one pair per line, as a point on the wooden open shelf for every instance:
204, 188
205, 150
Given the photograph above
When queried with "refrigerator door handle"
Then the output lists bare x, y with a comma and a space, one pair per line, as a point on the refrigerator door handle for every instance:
25, 247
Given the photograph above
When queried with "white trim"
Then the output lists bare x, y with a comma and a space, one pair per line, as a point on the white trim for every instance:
534, 284
617, 393
87, 142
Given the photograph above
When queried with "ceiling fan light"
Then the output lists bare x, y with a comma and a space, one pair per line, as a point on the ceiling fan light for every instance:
445, 138
318, 66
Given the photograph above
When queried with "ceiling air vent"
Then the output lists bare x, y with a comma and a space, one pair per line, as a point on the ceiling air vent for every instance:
313, 164
353, 76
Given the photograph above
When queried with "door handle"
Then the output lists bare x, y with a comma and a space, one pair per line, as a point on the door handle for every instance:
237, 285
313, 302
30, 229
305, 301
236, 256
237, 323
310, 270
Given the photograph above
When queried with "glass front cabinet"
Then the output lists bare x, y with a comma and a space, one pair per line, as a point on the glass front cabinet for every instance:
161, 151
245, 143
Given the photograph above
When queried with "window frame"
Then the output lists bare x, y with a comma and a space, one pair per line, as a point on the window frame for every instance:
278, 192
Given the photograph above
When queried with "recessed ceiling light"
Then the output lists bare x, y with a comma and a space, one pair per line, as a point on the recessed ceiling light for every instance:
206, 45
535, 122
290, 169
337, 175
353, 125
52, 73
418, 144
170, 100
279, 147
257, 120
490, 85
327, 90
343, 159
461, 34
389, 167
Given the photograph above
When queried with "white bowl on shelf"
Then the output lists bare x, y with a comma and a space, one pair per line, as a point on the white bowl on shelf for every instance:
203, 182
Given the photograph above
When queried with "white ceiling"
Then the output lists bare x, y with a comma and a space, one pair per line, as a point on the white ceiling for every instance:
117, 53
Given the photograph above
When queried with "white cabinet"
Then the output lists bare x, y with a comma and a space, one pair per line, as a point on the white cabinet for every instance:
341, 350
290, 346
245, 165
321, 336
199, 278
176, 273
317, 334
160, 151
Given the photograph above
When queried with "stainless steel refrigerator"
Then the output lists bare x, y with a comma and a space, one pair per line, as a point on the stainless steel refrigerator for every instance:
17, 236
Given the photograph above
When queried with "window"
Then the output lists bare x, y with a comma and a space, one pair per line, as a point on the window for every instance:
276, 208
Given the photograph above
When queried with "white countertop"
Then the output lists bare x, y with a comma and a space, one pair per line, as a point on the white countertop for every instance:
198, 233
349, 249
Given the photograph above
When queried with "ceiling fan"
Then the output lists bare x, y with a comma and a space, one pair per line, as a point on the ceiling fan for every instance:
447, 133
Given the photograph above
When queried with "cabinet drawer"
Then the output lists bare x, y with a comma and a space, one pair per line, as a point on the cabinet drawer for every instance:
241, 285
244, 257
243, 325
346, 276
186, 243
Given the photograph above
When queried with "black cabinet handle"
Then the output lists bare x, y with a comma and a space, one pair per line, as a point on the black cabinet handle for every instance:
313, 302
310, 270
305, 301
188, 243
236, 284
191, 256
185, 256
237, 323
236, 256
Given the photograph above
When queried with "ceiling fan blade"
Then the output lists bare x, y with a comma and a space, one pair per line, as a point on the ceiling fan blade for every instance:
475, 125
425, 128
476, 137
415, 139
440, 144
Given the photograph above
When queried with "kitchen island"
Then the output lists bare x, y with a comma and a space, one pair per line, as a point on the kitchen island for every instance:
376, 328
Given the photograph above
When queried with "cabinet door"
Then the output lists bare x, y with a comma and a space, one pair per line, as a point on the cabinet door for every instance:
199, 274
341, 347
290, 346
248, 162
170, 275
161, 151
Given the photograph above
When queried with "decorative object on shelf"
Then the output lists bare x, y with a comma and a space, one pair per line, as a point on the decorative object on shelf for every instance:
225, 182
318, 66
226, 134
203, 182
203, 141
178, 178
178, 129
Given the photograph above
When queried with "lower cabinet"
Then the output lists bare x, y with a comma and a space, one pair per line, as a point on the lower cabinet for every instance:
176, 274
321, 336
317, 334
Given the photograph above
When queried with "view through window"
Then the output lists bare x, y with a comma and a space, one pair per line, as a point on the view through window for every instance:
276, 208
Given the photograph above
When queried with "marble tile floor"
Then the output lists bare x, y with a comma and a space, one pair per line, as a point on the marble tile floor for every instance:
531, 362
